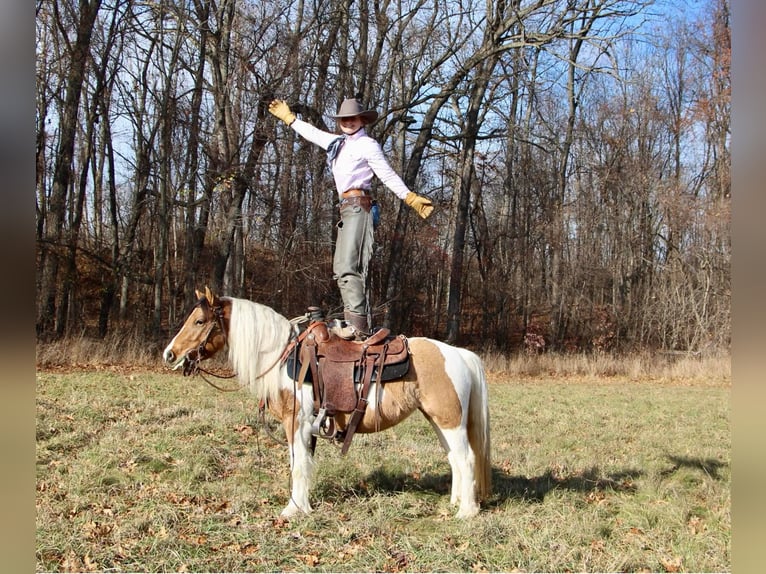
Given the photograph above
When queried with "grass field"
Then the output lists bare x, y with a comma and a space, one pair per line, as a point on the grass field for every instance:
151, 472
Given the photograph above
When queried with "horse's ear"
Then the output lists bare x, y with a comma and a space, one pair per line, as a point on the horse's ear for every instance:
198, 294
209, 296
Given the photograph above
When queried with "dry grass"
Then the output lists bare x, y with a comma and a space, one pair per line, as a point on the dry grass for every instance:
660, 367
605, 470
81, 351
131, 352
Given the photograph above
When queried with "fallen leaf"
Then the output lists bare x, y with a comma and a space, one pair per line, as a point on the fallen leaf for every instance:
162, 533
245, 430
309, 559
249, 549
197, 539
671, 564
90, 565
279, 522
596, 497
696, 525
399, 558
71, 563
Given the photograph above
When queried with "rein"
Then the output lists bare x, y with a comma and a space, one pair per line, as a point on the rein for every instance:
199, 370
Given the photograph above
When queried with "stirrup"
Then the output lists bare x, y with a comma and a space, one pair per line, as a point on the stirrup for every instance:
323, 426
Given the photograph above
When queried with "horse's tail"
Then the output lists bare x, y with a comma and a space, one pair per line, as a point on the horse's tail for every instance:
478, 426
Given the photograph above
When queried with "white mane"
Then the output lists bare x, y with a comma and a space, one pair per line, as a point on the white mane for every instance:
257, 337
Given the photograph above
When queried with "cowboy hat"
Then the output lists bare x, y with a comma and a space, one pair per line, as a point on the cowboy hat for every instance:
351, 107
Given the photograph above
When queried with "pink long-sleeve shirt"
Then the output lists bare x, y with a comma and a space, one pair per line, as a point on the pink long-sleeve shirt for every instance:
359, 159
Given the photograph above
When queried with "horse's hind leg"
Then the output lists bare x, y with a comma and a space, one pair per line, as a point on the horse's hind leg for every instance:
444, 393
455, 469
462, 461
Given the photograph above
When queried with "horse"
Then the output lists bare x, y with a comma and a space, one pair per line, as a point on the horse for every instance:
445, 383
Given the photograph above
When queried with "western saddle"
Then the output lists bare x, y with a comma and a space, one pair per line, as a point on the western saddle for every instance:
341, 373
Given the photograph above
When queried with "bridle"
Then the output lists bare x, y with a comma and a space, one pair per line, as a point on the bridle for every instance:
193, 358
192, 365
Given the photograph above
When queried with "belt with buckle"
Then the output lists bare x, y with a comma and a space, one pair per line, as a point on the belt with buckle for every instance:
353, 193
354, 197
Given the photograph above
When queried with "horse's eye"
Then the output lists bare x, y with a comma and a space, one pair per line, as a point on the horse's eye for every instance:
199, 322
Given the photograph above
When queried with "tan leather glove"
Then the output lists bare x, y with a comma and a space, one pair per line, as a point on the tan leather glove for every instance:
280, 109
422, 205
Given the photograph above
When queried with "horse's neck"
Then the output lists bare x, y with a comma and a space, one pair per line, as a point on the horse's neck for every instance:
257, 328
258, 336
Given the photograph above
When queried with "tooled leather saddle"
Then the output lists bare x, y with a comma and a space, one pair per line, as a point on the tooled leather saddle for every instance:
341, 373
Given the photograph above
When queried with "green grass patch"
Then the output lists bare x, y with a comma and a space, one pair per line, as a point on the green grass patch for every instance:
155, 472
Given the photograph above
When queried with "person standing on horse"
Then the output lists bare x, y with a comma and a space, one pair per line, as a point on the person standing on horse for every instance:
354, 157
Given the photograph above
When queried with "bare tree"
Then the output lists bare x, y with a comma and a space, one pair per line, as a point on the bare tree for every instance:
581, 179
83, 18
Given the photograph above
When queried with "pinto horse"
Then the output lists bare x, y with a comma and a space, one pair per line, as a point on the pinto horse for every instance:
447, 384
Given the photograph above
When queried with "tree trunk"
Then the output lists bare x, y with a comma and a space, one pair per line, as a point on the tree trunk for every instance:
470, 134
62, 177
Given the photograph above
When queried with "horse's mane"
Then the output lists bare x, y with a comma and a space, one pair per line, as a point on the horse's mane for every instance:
257, 337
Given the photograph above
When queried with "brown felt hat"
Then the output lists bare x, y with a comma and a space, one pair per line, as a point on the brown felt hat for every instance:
352, 107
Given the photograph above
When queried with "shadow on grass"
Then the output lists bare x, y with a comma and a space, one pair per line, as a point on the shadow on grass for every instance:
504, 486
534, 489
709, 466
382, 481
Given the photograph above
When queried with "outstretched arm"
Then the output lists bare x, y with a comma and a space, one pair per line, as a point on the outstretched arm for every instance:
281, 110
380, 166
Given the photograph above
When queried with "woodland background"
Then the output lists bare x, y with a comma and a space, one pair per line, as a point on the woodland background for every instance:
577, 152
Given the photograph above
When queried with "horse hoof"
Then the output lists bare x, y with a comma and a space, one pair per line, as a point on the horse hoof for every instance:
467, 512
292, 510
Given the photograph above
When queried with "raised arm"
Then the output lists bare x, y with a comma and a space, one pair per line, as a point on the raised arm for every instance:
281, 110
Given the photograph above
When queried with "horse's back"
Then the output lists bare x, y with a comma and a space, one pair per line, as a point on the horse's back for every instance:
455, 362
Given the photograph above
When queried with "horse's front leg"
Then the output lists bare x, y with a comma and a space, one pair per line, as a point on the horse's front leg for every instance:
297, 427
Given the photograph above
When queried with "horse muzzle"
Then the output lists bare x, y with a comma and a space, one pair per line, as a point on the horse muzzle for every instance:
172, 361
187, 361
